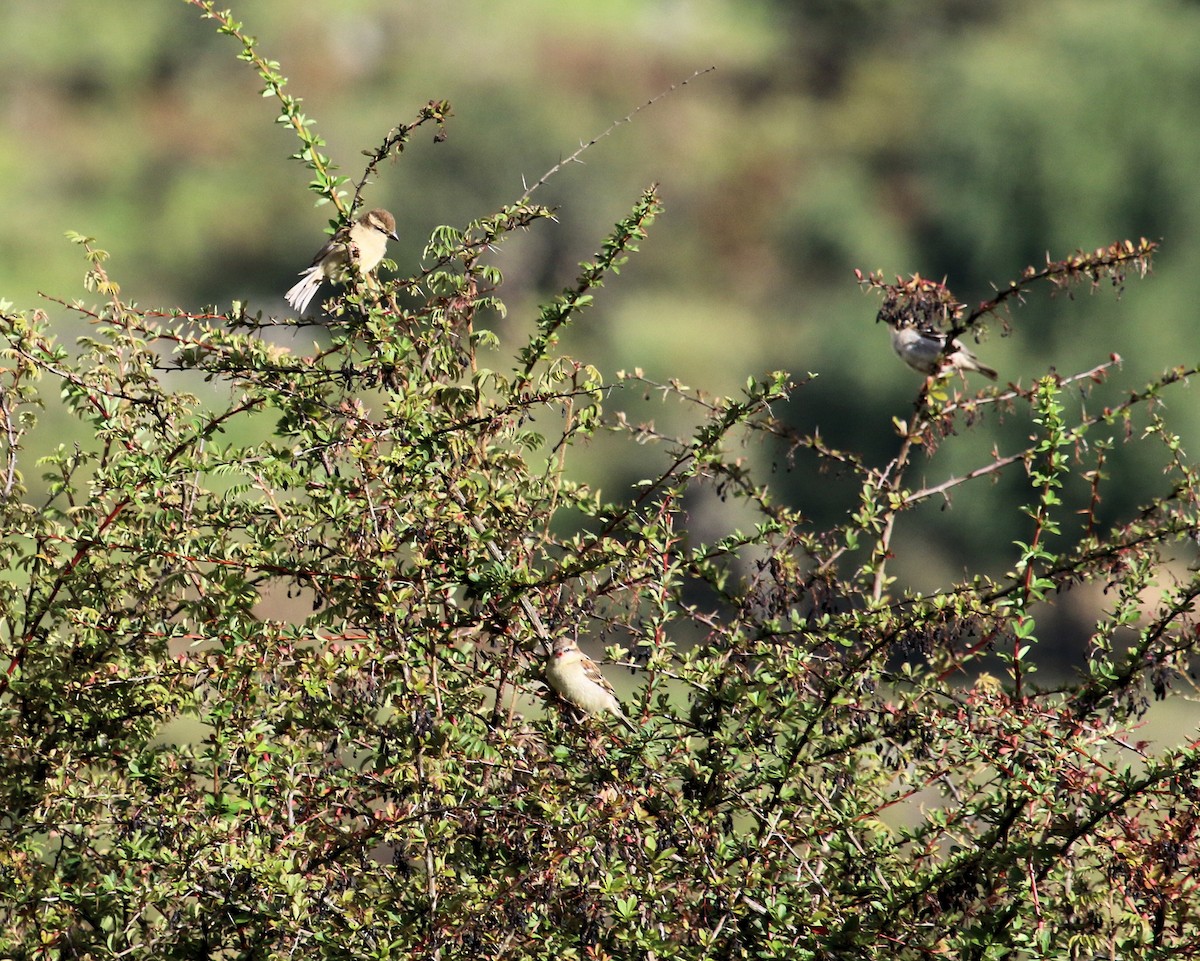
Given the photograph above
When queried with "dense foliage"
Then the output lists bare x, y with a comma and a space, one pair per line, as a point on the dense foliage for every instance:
824, 765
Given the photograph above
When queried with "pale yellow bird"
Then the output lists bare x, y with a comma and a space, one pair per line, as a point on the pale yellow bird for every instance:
364, 243
579, 682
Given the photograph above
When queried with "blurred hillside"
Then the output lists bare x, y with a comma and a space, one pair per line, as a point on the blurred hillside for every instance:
956, 138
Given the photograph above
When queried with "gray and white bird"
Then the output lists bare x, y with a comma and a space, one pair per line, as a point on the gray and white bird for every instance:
579, 682
923, 347
364, 243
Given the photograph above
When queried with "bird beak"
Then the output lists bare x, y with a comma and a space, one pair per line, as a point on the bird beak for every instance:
395, 236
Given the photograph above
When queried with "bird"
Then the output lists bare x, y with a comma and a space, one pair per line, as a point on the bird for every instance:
364, 242
923, 347
579, 682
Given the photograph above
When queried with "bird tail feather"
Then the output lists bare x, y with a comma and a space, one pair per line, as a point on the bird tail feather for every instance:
301, 295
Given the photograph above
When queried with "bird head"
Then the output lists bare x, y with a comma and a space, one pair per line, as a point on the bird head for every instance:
382, 221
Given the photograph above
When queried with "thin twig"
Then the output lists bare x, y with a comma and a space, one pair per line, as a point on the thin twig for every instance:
574, 158
991, 468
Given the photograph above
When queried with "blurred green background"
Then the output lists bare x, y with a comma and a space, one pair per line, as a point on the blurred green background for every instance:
956, 138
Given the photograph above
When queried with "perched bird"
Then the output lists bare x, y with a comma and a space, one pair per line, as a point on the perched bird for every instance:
923, 347
579, 682
364, 242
